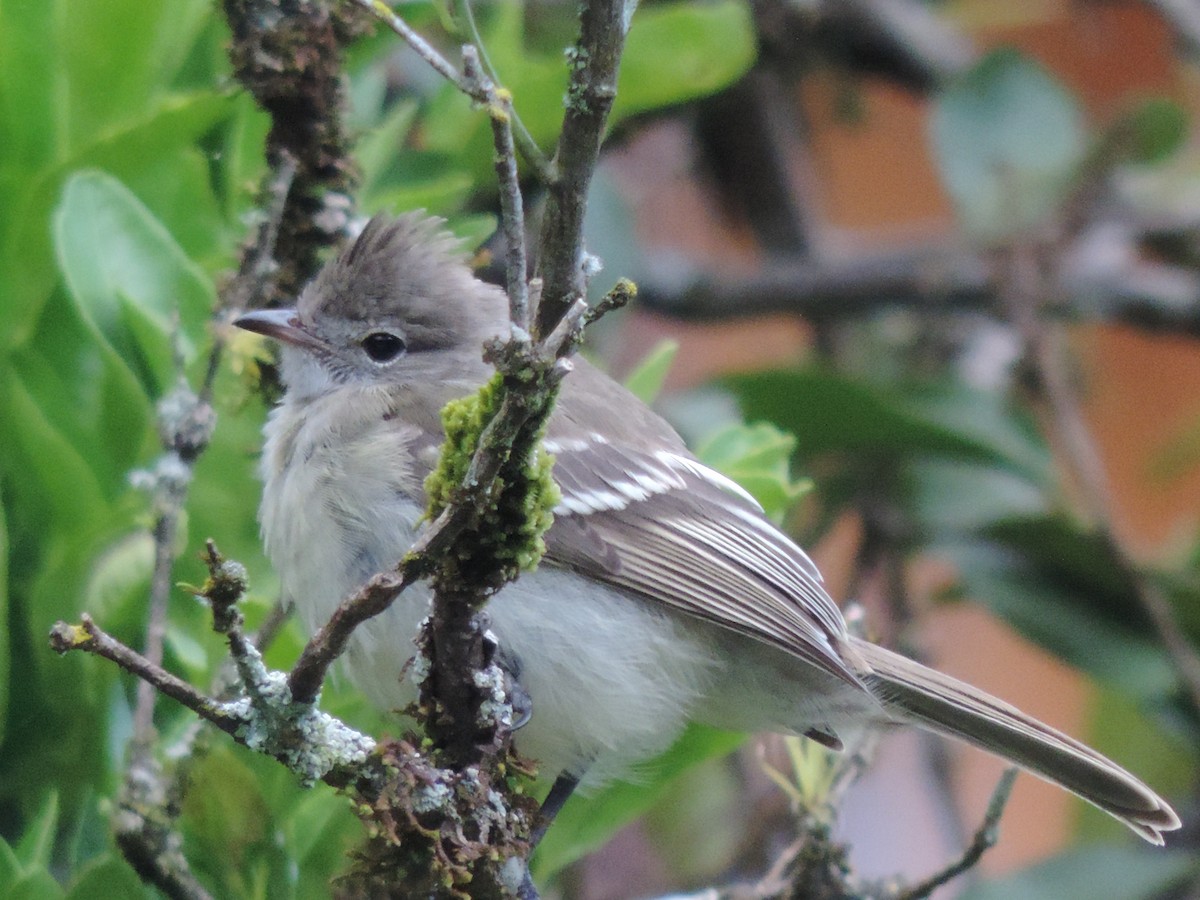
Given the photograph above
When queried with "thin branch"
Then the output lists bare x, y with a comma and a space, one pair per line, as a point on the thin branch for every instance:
143, 821
512, 211
171, 493
525, 143
1024, 293
253, 285
985, 838
1153, 296
420, 46
330, 641
595, 61
464, 81
90, 638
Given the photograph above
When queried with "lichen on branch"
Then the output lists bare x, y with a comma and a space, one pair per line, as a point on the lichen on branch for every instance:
510, 518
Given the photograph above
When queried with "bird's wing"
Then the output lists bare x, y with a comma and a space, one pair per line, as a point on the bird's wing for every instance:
663, 525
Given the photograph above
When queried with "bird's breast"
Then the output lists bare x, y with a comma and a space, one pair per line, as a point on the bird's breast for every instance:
341, 499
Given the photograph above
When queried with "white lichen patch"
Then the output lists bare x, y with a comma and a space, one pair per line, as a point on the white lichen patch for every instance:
512, 874
495, 710
431, 797
308, 741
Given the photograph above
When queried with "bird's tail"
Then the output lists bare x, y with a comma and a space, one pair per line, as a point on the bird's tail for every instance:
913, 693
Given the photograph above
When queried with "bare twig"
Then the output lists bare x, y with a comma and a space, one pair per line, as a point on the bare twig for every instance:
143, 821
469, 84
512, 211
420, 46
1146, 295
530, 151
370, 600
984, 839
1025, 289
253, 285
90, 638
595, 60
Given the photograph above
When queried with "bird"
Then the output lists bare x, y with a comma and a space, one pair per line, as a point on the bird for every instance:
665, 595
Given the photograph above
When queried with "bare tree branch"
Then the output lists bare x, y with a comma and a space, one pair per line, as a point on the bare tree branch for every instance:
512, 212
985, 838
90, 638
1025, 292
289, 57
595, 60
464, 81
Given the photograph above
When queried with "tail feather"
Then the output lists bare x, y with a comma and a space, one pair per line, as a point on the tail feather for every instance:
913, 693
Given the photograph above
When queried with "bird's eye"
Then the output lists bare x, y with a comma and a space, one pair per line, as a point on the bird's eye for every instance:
383, 346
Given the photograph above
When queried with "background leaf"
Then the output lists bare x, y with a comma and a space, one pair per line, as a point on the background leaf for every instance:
114, 255
1008, 139
676, 52
1114, 873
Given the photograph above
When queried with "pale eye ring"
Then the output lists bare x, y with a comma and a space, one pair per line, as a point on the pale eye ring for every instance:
383, 346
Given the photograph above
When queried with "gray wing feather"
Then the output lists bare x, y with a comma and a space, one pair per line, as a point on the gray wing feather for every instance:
662, 525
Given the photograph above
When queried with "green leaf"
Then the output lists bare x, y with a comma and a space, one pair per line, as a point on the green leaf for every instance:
226, 822
699, 825
31, 80
37, 843
311, 823
1150, 132
1111, 871
39, 885
831, 413
151, 42
473, 230
110, 246
68, 494
379, 147
440, 191
586, 823
1061, 588
190, 653
105, 878
86, 393
120, 575
989, 418
646, 381
153, 151
10, 866
1008, 140
758, 457
676, 52
4, 607
951, 497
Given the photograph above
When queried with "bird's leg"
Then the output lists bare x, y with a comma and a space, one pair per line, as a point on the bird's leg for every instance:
564, 785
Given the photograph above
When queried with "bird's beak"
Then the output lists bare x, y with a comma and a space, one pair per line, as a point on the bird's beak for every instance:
280, 324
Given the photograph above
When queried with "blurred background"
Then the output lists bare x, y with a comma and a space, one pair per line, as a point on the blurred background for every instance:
925, 276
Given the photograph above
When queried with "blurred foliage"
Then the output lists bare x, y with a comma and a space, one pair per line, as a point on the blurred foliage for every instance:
129, 163
1008, 140
1115, 873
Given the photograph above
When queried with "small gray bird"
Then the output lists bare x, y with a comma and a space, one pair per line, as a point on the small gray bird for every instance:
665, 595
